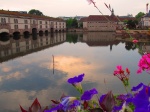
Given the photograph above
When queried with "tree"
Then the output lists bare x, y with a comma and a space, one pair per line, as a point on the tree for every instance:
35, 12
139, 15
72, 23
132, 24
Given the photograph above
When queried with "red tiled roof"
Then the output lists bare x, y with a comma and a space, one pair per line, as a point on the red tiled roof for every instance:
83, 19
106, 18
97, 18
17, 14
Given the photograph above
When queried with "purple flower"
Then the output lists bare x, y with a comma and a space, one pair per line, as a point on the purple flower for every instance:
76, 82
66, 104
141, 98
76, 79
87, 95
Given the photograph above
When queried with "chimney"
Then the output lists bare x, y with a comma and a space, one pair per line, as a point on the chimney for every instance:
147, 8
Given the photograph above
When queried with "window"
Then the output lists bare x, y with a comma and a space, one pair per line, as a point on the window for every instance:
15, 20
33, 21
40, 22
3, 20
26, 26
15, 26
40, 26
46, 22
26, 21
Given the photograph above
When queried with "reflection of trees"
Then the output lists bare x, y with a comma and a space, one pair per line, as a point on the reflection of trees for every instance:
72, 38
130, 45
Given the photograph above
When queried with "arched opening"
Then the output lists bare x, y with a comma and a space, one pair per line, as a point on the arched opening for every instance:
4, 36
59, 30
26, 34
34, 31
16, 35
40, 33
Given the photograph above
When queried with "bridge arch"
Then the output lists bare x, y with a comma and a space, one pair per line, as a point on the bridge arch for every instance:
46, 32
4, 36
16, 35
34, 31
40, 33
26, 34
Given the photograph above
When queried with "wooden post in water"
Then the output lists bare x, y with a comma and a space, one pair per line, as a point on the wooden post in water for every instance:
53, 63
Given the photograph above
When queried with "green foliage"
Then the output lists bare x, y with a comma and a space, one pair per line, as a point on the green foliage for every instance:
72, 38
125, 21
132, 24
139, 15
72, 23
35, 12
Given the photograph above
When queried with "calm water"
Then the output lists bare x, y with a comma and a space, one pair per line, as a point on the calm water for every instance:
27, 70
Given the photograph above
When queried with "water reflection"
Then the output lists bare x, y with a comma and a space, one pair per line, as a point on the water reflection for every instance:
25, 45
26, 68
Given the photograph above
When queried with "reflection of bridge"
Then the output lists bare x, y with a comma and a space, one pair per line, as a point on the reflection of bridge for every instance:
16, 23
100, 39
14, 48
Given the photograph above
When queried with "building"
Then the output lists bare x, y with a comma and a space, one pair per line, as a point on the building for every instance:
145, 21
104, 22
13, 23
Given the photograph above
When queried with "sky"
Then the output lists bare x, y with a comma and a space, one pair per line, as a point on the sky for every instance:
69, 8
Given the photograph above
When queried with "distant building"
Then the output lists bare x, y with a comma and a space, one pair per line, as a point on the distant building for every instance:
66, 18
145, 21
104, 22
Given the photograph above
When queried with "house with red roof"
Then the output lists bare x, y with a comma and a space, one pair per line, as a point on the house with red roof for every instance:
104, 22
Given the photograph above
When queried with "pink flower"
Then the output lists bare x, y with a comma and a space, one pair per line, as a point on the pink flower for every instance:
139, 71
121, 74
92, 1
135, 41
144, 63
119, 70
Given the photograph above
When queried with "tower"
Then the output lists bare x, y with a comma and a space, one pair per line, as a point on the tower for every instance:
112, 12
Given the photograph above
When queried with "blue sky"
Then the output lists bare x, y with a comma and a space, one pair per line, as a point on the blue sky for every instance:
55, 8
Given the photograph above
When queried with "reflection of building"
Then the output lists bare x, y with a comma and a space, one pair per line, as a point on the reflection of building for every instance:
144, 47
100, 39
14, 48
